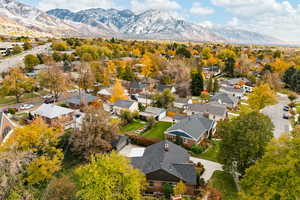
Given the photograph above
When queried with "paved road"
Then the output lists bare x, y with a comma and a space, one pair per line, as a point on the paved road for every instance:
275, 112
13, 61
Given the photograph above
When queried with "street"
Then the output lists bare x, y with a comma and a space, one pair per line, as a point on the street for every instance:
275, 112
16, 60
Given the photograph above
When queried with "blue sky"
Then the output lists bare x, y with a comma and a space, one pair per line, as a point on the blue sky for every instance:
278, 18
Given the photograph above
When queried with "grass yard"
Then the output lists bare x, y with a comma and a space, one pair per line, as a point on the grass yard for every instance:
157, 131
133, 126
224, 182
211, 153
298, 108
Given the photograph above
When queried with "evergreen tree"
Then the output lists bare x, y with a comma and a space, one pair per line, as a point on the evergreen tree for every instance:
287, 77
229, 66
197, 82
295, 83
216, 86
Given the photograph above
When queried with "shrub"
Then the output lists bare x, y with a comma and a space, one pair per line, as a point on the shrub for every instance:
142, 141
197, 149
150, 122
167, 190
12, 110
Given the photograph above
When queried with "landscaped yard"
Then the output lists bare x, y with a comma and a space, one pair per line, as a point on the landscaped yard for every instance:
224, 182
133, 126
157, 132
211, 153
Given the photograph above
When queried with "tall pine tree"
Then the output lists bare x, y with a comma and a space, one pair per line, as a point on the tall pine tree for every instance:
197, 85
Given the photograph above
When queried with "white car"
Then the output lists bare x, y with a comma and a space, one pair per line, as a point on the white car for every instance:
26, 106
48, 96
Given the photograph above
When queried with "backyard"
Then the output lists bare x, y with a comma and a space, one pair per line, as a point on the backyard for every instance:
138, 124
211, 153
224, 183
157, 131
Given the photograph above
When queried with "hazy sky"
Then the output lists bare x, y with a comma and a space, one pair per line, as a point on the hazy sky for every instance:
277, 18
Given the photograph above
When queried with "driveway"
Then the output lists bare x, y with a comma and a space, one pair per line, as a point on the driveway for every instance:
17, 60
275, 112
209, 166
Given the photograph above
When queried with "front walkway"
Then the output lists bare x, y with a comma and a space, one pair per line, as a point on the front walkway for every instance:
209, 166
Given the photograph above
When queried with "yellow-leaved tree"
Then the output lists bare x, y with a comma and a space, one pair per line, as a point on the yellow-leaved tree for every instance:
280, 65
118, 92
148, 65
179, 189
261, 97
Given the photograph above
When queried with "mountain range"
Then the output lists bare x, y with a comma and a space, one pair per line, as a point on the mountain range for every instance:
21, 19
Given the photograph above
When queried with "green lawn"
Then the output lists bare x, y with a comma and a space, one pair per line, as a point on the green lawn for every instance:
133, 126
157, 132
212, 152
298, 108
224, 182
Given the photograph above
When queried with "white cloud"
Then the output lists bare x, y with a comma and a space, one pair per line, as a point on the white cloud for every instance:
198, 9
207, 24
142, 5
75, 5
272, 17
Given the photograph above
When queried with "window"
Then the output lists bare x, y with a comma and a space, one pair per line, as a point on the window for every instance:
185, 141
151, 184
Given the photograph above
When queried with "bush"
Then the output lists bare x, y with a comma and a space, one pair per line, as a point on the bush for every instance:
197, 149
200, 168
12, 110
167, 190
150, 122
127, 117
142, 141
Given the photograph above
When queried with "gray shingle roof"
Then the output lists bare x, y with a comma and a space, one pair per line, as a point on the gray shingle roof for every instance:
214, 109
162, 88
225, 98
154, 110
137, 85
52, 111
86, 98
124, 103
195, 125
232, 89
182, 100
175, 161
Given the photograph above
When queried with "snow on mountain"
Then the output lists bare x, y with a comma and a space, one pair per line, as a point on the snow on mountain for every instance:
39, 21
156, 24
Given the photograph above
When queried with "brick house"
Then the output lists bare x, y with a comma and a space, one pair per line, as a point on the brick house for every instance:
6, 126
166, 163
192, 129
213, 111
55, 115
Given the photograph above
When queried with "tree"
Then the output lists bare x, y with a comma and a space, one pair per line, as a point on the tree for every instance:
17, 50
55, 80
16, 84
292, 97
164, 99
60, 46
280, 66
275, 176
287, 76
30, 61
206, 53
210, 85
27, 46
179, 189
261, 97
244, 140
41, 140
216, 86
86, 77
109, 176
182, 51
229, 66
118, 92
296, 81
148, 65
197, 85
136, 53
95, 134
167, 190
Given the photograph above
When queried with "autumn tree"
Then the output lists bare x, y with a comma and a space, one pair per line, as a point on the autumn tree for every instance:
280, 66
60, 45
95, 134
206, 53
16, 84
164, 99
118, 92
55, 80
244, 140
179, 189
261, 97
276, 175
197, 84
109, 176
41, 140
30, 61
148, 67
86, 77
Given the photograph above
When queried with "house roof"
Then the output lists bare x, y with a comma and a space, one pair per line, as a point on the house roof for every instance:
195, 126
78, 99
214, 109
162, 88
137, 85
224, 98
174, 161
52, 111
154, 110
124, 103
232, 89
182, 100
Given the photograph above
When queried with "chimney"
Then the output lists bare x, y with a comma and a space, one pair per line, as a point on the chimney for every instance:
166, 147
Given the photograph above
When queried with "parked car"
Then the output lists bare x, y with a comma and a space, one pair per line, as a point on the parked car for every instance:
48, 96
286, 116
286, 108
26, 106
49, 100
